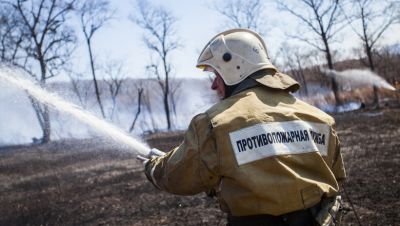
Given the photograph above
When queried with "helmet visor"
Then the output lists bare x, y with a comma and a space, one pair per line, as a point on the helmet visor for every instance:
204, 56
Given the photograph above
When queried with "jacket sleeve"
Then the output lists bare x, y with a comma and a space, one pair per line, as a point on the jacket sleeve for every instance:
191, 167
337, 163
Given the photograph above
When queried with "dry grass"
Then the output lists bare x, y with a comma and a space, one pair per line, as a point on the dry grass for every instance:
88, 182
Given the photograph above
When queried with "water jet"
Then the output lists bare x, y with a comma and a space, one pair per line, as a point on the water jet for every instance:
16, 79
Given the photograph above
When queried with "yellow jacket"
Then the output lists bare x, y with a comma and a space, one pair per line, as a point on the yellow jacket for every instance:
262, 150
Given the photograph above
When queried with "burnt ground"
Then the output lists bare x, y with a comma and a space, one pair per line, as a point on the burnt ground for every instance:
88, 182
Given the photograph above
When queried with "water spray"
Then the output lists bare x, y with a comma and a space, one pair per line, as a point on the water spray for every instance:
16, 79
358, 78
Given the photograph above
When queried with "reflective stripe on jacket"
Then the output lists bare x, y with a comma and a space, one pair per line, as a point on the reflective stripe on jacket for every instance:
262, 150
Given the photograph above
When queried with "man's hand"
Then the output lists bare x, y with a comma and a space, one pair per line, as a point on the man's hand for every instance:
330, 212
149, 170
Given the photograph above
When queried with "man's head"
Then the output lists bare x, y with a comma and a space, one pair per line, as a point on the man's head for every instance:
236, 54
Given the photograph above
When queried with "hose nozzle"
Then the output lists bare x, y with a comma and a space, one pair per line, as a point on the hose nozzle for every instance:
154, 152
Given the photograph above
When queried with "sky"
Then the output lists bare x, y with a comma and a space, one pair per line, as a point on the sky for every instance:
121, 40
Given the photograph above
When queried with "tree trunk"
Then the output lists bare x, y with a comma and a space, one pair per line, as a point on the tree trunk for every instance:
42, 114
366, 39
335, 90
167, 112
335, 87
166, 92
44, 111
96, 87
328, 54
301, 76
140, 92
376, 97
47, 125
368, 51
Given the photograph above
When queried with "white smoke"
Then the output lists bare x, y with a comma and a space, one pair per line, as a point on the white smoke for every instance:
18, 123
357, 78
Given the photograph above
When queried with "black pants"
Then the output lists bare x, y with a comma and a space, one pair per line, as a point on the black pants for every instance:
297, 218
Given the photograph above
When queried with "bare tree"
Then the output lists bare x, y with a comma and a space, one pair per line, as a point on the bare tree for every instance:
396, 4
94, 15
160, 38
41, 43
146, 99
175, 94
324, 20
79, 87
140, 90
292, 58
10, 37
114, 78
387, 63
242, 13
369, 19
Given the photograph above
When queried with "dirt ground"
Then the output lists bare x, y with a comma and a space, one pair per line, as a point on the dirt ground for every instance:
89, 182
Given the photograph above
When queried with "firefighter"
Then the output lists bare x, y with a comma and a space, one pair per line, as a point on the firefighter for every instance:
269, 158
